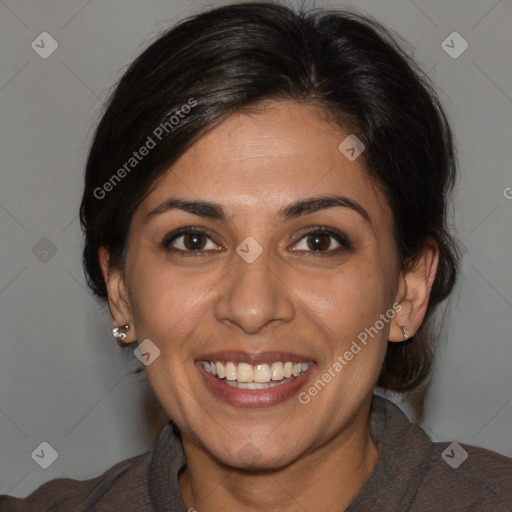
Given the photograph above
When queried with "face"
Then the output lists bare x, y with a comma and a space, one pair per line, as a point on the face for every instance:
262, 282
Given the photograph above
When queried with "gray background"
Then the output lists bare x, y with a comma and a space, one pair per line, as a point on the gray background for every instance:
62, 378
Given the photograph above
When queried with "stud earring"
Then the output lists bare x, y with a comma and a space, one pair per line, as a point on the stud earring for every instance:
119, 333
404, 329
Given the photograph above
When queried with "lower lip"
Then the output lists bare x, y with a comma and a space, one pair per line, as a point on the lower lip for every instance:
253, 397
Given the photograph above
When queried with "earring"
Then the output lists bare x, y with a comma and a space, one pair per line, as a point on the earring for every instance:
404, 329
120, 335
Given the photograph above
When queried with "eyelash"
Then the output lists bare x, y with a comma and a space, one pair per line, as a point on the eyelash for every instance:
340, 237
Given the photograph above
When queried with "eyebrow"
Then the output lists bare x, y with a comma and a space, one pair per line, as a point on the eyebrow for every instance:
294, 210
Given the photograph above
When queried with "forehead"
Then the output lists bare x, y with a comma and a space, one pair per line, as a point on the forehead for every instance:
259, 162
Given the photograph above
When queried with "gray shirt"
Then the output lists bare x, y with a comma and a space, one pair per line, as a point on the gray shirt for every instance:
412, 473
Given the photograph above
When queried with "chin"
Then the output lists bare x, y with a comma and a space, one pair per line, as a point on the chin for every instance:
255, 456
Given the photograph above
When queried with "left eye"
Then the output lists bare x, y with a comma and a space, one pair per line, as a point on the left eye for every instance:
321, 241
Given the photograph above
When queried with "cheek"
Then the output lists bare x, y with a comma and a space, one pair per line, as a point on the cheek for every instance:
167, 303
351, 299
350, 304
168, 307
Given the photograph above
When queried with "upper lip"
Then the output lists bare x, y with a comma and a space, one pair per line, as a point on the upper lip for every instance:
238, 356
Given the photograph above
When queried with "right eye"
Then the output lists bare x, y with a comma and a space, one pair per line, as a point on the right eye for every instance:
187, 240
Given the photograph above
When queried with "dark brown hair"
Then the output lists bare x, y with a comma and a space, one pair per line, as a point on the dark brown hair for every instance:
236, 57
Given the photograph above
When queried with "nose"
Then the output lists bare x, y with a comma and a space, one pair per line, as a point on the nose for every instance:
254, 295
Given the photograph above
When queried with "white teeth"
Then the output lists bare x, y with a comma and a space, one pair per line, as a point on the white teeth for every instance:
277, 371
260, 376
297, 368
245, 373
262, 373
256, 385
220, 370
230, 371
249, 385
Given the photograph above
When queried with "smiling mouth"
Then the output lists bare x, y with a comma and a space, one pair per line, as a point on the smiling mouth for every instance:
258, 376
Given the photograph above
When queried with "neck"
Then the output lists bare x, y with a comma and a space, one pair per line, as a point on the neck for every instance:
327, 478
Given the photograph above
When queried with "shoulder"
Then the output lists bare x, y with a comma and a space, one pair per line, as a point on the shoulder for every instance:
464, 477
426, 475
119, 488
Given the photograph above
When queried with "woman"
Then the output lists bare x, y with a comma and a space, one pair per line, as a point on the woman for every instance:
265, 211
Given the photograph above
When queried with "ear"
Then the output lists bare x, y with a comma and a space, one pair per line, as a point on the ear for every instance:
118, 297
414, 292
